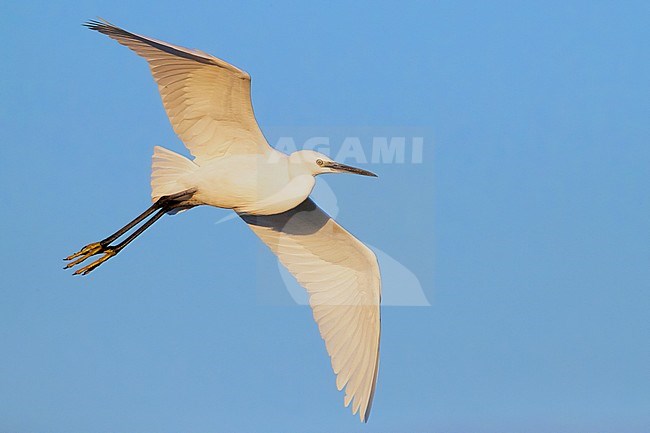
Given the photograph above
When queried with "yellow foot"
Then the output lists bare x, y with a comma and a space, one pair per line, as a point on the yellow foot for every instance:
108, 253
87, 251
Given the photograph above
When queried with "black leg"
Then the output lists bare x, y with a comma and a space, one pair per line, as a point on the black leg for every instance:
159, 208
132, 224
97, 247
117, 248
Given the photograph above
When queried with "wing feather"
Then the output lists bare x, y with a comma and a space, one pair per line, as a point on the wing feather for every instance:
207, 100
342, 279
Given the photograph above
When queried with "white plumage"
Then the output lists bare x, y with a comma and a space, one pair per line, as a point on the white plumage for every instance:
208, 103
341, 276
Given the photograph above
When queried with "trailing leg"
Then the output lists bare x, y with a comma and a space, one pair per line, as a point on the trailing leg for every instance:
158, 209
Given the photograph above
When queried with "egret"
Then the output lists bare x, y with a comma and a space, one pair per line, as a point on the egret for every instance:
209, 105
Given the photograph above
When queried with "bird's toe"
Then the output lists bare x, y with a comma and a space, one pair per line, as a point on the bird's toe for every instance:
108, 253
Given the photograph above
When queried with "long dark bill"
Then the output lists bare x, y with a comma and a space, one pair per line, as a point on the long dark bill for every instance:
349, 169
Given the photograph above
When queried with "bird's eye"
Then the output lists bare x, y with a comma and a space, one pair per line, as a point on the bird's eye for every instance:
319, 162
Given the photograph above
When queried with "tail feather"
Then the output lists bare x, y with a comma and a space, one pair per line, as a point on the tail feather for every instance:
167, 168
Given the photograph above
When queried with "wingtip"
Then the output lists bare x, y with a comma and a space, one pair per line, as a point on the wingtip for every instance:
366, 414
93, 24
97, 24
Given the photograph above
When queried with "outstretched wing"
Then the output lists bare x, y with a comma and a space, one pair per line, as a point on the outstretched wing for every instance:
342, 278
208, 100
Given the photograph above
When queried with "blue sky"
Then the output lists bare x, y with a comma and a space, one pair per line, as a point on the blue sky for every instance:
526, 223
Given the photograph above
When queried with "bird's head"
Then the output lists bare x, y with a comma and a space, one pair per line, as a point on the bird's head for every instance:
316, 163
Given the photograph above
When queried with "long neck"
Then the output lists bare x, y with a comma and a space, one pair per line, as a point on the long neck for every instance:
298, 167
301, 180
283, 186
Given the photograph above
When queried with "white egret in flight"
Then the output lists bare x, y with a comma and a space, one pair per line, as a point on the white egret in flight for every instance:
209, 105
